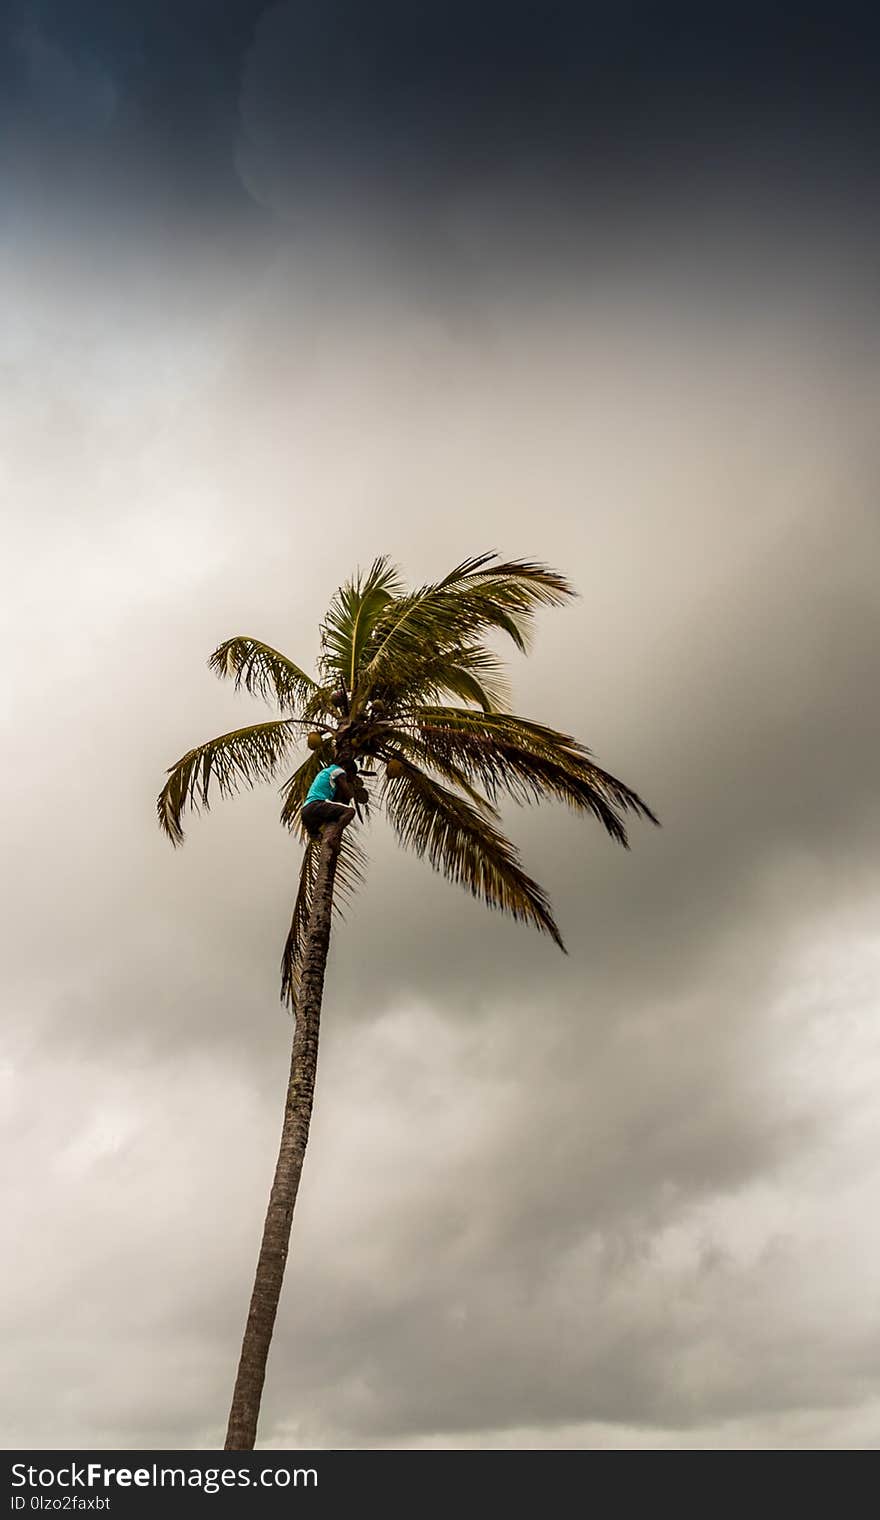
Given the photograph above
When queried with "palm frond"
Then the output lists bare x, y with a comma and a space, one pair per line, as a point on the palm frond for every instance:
350, 870
476, 597
241, 758
352, 616
469, 671
527, 761
462, 844
404, 745
508, 593
263, 671
319, 706
557, 587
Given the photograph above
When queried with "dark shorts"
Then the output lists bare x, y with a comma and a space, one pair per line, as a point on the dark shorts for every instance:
314, 814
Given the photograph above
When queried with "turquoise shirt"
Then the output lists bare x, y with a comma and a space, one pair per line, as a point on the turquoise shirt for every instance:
323, 787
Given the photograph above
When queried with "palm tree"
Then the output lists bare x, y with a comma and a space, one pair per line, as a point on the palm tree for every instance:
408, 691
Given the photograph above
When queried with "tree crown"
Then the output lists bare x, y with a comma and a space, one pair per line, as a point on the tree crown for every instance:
408, 690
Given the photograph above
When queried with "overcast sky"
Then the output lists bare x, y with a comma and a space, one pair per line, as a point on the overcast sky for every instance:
304, 284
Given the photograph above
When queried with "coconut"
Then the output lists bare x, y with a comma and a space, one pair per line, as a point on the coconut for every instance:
314, 741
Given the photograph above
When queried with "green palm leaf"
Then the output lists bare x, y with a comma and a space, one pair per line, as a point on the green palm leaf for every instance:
527, 761
468, 671
476, 597
352, 616
241, 758
462, 844
263, 672
401, 745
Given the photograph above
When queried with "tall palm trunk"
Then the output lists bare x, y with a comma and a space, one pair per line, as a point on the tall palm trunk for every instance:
242, 1431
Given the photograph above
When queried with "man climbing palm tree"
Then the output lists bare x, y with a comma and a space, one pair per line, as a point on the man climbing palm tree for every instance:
406, 682
326, 800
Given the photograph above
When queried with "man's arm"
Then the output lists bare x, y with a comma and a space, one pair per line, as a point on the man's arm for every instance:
342, 789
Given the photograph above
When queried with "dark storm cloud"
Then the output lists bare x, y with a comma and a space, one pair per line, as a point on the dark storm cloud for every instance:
169, 109
127, 112
447, 144
410, 90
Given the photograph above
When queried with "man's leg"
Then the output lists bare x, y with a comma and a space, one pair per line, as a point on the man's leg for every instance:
316, 814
